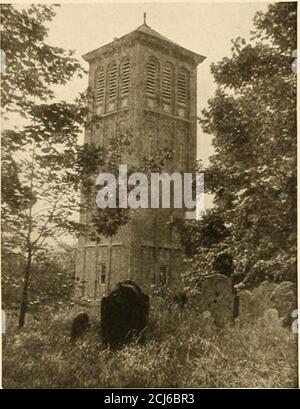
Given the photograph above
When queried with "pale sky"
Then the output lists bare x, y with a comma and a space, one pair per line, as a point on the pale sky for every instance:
205, 28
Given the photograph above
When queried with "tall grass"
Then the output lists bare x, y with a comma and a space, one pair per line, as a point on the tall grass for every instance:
181, 351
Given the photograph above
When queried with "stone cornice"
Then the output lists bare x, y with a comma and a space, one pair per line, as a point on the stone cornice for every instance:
138, 37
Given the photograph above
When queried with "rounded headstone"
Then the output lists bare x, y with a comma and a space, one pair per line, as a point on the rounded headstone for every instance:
124, 314
80, 324
247, 307
284, 299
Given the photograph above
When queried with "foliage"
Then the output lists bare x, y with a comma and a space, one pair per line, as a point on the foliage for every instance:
36, 158
252, 174
32, 65
52, 279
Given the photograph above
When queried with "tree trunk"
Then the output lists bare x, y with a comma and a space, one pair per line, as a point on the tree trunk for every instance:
24, 298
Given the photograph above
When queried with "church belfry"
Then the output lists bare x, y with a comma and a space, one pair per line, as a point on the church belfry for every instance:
148, 84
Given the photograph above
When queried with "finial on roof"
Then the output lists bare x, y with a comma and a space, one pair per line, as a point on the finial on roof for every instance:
145, 16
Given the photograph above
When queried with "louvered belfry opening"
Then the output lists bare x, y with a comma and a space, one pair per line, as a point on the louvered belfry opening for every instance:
112, 81
125, 77
152, 77
167, 82
182, 87
100, 81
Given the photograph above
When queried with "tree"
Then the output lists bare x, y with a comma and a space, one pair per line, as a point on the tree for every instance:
46, 170
51, 280
33, 183
53, 172
253, 172
32, 65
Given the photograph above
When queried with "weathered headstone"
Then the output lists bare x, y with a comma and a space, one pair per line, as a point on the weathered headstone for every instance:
284, 299
80, 324
270, 318
265, 289
124, 314
216, 296
207, 320
262, 297
247, 307
271, 315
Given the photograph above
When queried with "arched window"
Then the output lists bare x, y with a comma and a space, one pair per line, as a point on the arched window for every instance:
100, 76
183, 86
112, 81
167, 82
152, 86
125, 77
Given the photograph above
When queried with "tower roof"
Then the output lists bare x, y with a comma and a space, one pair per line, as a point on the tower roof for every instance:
147, 32
144, 28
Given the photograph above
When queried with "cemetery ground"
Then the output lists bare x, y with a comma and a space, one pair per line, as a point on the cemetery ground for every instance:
181, 350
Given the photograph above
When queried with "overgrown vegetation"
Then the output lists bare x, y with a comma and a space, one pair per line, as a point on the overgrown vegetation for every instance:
180, 351
52, 281
253, 172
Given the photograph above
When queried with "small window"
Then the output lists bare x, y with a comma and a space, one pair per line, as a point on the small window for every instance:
112, 81
100, 280
182, 87
100, 86
150, 145
167, 82
163, 275
102, 273
181, 155
152, 77
125, 77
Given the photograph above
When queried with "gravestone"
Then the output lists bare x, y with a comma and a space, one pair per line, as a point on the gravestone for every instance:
80, 324
271, 315
270, 318
262, 296
207, 320
247, 307
124, 315
284, 299
216, 296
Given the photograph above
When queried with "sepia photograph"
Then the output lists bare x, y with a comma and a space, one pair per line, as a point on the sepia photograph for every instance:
149, 197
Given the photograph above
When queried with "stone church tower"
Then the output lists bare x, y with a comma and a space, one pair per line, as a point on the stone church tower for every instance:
148, 84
